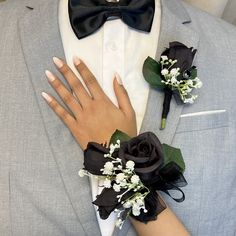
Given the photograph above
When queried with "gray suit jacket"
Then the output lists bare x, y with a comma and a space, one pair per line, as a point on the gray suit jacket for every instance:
40, 191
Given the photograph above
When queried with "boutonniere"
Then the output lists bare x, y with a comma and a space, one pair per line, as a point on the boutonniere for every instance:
174, 74
133, 170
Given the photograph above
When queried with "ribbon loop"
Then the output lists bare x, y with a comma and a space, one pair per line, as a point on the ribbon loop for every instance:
181, 199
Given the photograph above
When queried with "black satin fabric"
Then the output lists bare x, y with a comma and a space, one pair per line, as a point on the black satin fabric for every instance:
86, 16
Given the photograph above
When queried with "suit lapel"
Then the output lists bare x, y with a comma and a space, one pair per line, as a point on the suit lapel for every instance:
174, 24
40, 39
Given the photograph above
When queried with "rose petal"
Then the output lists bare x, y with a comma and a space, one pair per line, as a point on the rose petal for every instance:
94, 159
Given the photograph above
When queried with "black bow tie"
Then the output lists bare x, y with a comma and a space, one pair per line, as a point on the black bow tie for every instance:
86, 16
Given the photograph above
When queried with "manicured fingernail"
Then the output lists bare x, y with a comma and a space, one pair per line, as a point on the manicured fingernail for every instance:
46, 97
76, 60
49, 75
58, 62
118, 79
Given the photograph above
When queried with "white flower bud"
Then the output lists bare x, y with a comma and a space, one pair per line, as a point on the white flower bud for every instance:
81, 173
164, 72
198, 84
173, 80
123, 183
108, 165
116, 187
120, 177
189, 100
164, 58
135, 179
107, 183
174, 71
190, 82
135, 210
108, 168
130, 165
140, 202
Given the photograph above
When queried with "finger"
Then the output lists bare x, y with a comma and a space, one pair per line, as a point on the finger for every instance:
60, 111
122, 96
73, 81
88, 78
63, 92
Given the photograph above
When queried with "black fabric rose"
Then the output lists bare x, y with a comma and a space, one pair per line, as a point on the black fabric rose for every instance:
107, 201
146, 152
181, 53
94, 159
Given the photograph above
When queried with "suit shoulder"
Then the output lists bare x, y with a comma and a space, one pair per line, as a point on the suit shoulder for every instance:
211, 28
205, 20
11, 11
8, 6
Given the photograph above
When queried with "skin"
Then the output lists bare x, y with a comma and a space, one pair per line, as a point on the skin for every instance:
91, 116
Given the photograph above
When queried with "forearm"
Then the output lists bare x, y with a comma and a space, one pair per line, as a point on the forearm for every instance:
166, 223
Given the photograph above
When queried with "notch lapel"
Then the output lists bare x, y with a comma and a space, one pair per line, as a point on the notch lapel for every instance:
174, 27
41, 40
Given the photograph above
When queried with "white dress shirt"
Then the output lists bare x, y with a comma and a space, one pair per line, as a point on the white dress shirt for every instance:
115, 47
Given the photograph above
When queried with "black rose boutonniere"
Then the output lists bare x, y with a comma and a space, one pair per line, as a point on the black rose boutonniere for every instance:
174, 74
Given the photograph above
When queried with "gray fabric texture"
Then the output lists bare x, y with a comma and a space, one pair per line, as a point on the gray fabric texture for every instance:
229, 13
40, 190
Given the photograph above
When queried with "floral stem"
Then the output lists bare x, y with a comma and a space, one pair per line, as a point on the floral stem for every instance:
166, 107
163, 123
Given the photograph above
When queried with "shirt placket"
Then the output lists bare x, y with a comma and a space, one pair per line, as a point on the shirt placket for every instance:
113, 55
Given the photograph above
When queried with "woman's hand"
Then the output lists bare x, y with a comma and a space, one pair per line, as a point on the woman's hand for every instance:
90, 117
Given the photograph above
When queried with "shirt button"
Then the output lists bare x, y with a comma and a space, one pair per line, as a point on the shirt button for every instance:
112, 46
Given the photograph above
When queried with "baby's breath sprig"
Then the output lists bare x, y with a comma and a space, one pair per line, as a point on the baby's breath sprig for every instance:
175, 82
123, 179
126, 180
183, 86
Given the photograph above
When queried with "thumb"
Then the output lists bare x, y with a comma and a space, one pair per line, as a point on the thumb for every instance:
122, 96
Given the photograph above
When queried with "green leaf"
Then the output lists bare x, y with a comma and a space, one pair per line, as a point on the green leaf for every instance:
119, 135
172, 154
152, 73
193, 74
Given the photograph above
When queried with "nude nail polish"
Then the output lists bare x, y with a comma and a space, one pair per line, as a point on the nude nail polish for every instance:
58, 62
76, 60
46, 97
50, 76
118, 78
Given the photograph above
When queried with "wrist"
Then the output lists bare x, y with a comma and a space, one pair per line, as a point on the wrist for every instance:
134, 169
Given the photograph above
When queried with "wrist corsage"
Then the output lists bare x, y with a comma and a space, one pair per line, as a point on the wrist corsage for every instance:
174, 74
133, 170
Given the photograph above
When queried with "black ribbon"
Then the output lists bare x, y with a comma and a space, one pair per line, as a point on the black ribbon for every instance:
86, 16
171, 178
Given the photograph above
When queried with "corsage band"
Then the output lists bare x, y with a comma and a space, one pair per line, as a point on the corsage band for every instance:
133, 170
